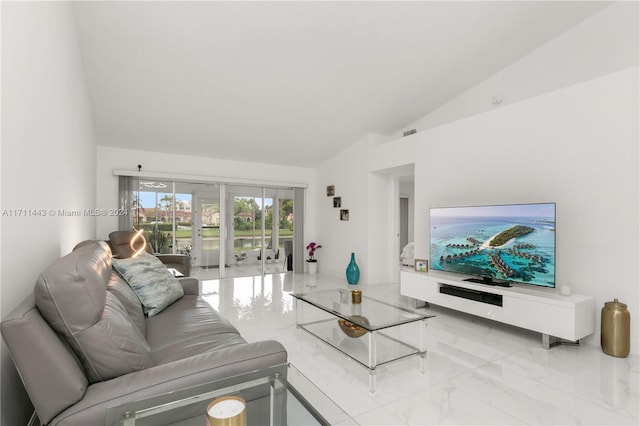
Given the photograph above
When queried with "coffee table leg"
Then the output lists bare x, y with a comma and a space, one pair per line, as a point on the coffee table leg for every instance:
423, 346
278, 402
297, 308
372, 361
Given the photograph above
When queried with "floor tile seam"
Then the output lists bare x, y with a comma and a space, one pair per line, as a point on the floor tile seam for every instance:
523, 420
380, 406
435, 383
572, 395
486, 364
473, 397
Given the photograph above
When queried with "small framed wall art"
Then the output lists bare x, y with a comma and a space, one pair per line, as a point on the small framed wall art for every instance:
331, 190
337, 201
344, 214
421, 265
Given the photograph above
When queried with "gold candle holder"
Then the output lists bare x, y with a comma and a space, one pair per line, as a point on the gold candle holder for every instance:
227, 411
356, 296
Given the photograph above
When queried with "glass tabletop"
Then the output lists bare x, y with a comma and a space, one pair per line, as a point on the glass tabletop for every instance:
371, 314
272, 399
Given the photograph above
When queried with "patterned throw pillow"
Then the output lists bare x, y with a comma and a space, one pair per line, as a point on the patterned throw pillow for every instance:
151, 281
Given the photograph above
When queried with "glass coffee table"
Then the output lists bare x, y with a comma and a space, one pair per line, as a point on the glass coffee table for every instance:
372, 332
272, 399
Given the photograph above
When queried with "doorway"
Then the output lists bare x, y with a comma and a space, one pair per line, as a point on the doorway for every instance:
404, 221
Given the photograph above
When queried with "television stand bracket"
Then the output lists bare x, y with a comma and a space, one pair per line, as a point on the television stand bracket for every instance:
550, 341
495, 283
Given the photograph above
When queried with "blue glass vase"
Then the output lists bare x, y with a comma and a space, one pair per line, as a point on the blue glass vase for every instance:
353, 272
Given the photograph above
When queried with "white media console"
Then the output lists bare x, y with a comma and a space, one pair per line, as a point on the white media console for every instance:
538, 309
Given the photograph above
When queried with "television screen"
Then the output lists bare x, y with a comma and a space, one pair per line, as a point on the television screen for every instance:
497, 244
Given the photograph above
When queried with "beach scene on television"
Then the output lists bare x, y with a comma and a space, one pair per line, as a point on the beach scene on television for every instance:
514, 243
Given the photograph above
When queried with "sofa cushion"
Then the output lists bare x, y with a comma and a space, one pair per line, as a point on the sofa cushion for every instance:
189, 327
151, 280
129, 300
114, 346
71, 292
72, 296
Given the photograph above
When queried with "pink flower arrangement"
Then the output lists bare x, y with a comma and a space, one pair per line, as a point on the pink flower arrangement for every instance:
311, 248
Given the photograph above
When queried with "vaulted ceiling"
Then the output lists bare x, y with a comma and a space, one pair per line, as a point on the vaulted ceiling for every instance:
290, 82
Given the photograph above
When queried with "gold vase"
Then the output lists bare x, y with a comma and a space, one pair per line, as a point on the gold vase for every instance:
615, 329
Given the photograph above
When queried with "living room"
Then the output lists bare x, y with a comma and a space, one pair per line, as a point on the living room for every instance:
557, 124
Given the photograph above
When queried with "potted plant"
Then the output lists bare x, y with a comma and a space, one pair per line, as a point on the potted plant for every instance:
312, 262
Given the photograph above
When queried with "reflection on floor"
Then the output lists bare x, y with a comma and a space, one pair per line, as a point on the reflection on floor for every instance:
237, 270
479, 372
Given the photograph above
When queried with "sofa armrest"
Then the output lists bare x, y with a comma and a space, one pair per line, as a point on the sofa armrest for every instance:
181, 262
210, 366
190, 285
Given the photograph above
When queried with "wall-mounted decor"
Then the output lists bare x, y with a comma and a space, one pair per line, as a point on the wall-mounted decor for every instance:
331, 189
337, 201
421, 265
344, 214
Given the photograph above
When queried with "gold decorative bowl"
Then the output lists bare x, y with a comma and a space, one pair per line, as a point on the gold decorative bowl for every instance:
351, 329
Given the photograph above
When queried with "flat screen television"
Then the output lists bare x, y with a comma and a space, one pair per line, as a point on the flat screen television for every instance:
498, 245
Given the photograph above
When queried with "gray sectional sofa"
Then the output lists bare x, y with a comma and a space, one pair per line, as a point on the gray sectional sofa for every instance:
82, 341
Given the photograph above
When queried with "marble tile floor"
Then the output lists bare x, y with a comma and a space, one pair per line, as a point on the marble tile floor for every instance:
479, 371
237, 270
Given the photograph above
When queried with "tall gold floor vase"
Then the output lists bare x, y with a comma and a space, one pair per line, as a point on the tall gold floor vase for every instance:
615, 329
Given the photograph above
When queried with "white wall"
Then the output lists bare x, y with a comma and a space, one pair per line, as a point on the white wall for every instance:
48, 157
566, 132
604, 43
361, 193
577, 147
110, 159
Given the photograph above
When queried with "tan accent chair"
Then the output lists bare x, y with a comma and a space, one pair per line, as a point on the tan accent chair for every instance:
120, 244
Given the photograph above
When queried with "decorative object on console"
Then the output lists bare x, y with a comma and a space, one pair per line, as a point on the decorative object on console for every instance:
421, 265
353, 271
615, 329
227, 411
565, 290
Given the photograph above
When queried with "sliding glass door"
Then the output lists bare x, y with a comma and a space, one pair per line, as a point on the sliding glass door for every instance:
206, 225
260, 223
165, 215
245, 209
228, 230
